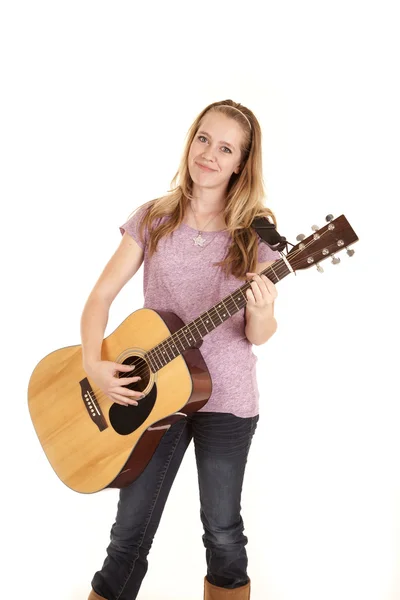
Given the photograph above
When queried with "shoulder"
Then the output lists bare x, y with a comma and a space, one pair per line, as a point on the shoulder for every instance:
133, 223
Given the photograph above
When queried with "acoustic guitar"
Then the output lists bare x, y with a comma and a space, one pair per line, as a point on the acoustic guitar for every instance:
93, 443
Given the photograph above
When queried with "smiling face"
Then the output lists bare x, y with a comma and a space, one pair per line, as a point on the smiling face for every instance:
215, 152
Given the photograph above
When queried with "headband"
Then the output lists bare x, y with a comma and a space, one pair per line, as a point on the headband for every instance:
234, 107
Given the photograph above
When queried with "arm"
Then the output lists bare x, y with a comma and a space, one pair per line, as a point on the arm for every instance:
121, 267
260, 327
259, 314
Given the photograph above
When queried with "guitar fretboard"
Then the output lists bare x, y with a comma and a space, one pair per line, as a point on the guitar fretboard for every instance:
191, 334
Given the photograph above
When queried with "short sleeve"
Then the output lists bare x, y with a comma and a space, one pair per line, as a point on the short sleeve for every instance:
132, 228
265, 253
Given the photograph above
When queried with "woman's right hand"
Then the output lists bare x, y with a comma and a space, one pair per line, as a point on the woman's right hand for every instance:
103, 372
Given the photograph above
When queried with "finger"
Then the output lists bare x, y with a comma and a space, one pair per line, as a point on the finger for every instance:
120, 399
250, 297
267, 282
270, 286
267, 287
256, 291
257, 279
123, 391
120, 367
126, 380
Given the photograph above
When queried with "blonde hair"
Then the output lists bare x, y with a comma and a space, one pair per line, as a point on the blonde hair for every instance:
244, 199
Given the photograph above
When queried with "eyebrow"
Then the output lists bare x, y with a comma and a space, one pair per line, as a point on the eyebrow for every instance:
221, 142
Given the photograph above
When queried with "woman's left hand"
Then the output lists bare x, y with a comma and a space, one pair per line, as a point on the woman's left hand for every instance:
262, 293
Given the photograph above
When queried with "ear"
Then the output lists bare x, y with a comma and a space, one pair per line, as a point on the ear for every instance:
237, 170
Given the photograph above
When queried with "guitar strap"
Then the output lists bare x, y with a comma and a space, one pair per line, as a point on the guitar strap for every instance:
269, 235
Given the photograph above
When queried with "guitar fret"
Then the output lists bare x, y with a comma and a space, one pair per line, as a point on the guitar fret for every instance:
206, 330
171, 350
174, 347
226, 308
188, 342
269, 275
211, 319
200, 334
150, 357
160, 357
234, 302
244, 297
200, 327
157, 360
195, 331
179, 340
175, 350
164, 348
216, 310
205, 326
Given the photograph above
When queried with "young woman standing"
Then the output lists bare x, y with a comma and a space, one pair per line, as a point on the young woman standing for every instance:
197, 245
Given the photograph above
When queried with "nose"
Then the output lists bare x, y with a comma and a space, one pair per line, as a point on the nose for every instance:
209, 153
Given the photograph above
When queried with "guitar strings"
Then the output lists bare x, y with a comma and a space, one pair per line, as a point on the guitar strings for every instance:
278, 270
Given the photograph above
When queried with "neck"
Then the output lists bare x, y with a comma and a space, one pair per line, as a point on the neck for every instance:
207, 201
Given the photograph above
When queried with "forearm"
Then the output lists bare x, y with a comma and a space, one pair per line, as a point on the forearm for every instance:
94, 320
261, 325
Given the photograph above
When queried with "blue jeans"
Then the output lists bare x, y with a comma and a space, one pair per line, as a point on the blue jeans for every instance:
222, 443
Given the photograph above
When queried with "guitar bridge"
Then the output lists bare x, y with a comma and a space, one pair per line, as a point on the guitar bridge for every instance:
91, 404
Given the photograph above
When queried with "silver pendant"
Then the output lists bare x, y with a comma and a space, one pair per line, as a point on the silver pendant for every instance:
199, 241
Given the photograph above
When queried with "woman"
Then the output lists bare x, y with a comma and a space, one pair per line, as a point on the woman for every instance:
197, 245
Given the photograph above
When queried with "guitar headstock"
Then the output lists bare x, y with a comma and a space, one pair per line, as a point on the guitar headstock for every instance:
323, 243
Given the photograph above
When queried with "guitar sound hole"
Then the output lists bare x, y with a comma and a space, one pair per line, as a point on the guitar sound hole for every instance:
126, 419
139, 368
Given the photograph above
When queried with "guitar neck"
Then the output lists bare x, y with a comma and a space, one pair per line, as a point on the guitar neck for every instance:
191, 334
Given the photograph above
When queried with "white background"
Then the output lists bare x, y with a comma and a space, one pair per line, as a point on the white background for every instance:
96, 101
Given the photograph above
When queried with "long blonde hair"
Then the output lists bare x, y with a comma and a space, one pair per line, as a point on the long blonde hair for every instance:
244, 199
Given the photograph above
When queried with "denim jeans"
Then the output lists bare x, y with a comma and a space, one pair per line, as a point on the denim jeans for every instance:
221, 442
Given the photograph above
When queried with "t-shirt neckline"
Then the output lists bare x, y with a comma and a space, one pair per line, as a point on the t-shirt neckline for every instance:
203, 232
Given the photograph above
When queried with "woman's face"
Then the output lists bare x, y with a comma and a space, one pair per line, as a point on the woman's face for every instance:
216, 145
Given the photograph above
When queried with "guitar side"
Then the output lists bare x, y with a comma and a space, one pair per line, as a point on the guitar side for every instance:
93, 443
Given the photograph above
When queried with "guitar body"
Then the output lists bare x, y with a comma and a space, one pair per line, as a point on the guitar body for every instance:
93, 443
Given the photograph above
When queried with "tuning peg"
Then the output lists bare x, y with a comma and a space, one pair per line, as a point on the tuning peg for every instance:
300, 237
335, 260
329, 218
319, 269
350, 251
315, 228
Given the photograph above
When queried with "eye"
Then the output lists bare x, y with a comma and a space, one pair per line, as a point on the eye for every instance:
201, 136
229, 150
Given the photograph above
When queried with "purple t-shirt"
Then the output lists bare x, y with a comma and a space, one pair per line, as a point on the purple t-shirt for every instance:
181, 278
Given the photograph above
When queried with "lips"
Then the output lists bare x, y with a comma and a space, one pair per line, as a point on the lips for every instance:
204, 167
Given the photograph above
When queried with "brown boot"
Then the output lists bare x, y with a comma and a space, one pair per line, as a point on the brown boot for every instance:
94, 596
213, 592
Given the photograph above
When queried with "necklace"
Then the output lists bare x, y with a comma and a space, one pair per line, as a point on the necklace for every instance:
199, 240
